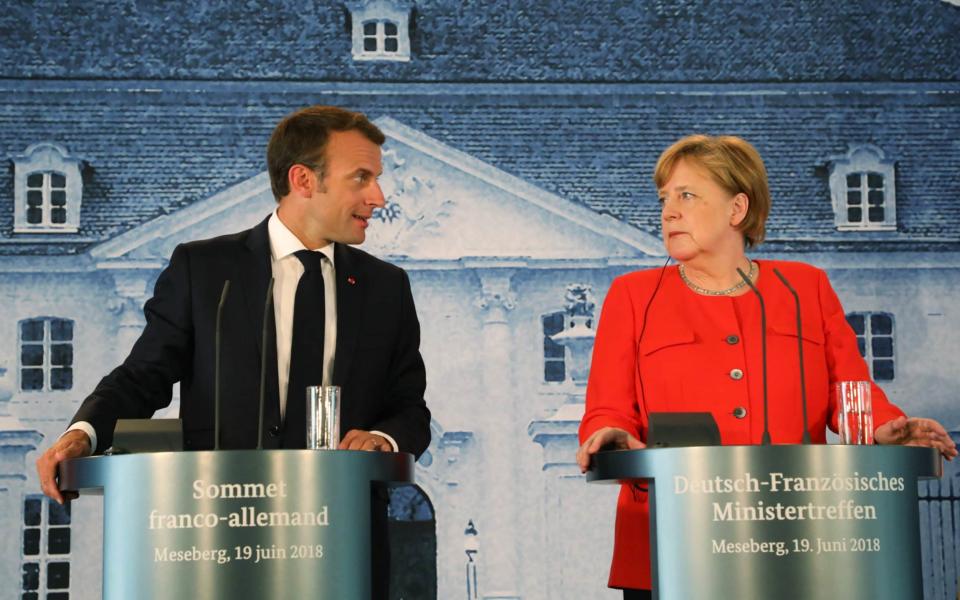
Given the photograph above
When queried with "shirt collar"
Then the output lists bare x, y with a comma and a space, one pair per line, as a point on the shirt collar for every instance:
283, 243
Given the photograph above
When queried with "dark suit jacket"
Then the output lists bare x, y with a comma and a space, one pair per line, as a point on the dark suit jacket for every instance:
377, 361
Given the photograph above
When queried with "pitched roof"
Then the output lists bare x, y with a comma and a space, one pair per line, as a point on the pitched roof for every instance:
152, 152
489, 40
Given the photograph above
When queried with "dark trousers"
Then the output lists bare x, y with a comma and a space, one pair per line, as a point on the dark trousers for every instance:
637, 595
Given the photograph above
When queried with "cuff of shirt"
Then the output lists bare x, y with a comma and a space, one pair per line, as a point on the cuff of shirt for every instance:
87, 428
393, 442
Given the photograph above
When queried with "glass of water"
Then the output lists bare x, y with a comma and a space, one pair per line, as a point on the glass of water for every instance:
323, 417
856, 412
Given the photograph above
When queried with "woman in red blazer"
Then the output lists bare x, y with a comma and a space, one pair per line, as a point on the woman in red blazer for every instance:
687, 338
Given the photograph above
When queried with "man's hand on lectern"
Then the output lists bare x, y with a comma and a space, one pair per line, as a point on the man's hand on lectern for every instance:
606, 436
916, 431
72, 444
357, 439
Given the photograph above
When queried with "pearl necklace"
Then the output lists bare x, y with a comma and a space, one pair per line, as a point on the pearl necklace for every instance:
751, 276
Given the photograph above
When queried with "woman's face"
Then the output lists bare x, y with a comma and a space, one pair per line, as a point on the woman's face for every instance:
698, 216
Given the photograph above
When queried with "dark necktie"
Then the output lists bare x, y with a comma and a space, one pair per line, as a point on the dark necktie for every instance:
306, 347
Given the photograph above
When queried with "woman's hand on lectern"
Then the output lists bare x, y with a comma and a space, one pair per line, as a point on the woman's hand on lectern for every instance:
606, 436
72, 444
916, 431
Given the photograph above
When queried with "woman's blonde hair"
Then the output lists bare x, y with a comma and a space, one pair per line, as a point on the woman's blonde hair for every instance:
735, 165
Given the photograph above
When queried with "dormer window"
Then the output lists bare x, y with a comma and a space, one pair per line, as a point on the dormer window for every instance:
381, 37
47, 190
46, 198
381, 30
863, 190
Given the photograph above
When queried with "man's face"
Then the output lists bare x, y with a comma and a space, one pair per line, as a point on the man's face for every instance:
340, 207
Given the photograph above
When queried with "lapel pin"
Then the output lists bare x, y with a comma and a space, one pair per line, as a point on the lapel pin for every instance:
351, 280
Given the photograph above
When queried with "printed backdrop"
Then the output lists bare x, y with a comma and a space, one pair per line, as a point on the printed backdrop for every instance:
521, 140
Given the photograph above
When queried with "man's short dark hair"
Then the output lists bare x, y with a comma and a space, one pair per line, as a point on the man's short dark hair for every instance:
301, 139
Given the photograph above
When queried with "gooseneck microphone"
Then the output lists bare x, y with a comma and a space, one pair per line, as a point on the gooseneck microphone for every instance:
267, 306
763, 356
803, 382
216, 367
643, 328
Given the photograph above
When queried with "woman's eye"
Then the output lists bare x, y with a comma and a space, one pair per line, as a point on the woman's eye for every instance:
686, 195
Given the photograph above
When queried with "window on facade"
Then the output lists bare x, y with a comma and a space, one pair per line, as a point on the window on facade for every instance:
381, 30
866, 199
47, 190
863, 190
875, 340
554, 354
45, 550
381, 37
46, 198
46, 354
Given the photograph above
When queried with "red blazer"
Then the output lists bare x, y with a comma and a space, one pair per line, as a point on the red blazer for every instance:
688, 360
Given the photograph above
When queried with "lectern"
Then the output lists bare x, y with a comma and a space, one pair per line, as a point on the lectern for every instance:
233, 524
785, 522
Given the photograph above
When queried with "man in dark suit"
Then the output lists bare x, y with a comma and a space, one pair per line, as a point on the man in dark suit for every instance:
323, 164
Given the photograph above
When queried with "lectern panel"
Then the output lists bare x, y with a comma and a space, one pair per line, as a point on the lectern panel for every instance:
237, 524
802, 522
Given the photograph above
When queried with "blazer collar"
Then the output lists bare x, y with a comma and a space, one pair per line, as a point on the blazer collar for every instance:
669, 321
255, 273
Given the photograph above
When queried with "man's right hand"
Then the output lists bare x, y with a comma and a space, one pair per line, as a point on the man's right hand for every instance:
72, 444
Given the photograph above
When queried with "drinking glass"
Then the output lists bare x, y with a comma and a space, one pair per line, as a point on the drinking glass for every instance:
323, 417
856, 412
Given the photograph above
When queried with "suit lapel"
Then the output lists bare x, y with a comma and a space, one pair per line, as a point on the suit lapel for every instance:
255, 272
350, 294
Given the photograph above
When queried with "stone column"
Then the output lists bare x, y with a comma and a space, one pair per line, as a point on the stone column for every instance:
131, 294
497, 434
16, 441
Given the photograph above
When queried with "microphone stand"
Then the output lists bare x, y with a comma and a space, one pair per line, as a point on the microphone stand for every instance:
216, 368
803, 383
267, 305
763, 326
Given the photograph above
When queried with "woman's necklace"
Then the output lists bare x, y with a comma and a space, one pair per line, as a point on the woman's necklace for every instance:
751, 276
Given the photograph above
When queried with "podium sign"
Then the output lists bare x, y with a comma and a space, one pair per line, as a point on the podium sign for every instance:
761, 522
237, 524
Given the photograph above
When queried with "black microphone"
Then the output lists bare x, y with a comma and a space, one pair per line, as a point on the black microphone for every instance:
216, 368
803, 383
267, 305
763, 325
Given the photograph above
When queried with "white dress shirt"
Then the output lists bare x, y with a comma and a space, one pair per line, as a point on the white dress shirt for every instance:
287, 270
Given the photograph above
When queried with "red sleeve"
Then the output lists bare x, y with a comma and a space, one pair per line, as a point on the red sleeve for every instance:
611, 388
844, 362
